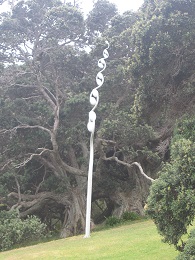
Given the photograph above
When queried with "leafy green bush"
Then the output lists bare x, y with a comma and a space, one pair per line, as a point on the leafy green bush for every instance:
112, 221
189, 249
130, 216
15, 231
171, 203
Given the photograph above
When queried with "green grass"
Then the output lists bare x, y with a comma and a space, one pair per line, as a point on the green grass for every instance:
138, 241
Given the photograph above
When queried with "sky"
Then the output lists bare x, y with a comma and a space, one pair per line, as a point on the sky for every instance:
122, 5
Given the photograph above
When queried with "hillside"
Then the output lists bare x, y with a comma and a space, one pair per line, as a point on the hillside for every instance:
135, 241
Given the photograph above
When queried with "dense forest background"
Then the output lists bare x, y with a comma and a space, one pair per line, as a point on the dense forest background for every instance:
48, 64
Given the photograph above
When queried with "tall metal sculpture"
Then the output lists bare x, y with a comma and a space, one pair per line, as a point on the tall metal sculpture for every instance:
94, 100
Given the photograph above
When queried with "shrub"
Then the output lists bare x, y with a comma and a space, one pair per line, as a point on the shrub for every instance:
15, 231
189, 249
130, 216
112, 221
171, 202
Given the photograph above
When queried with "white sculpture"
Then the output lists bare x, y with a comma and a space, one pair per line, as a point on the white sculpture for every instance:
94, 100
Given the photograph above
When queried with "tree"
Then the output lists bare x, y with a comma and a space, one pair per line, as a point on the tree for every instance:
162, 60
163, 37
43, 120
171, 203
37, 40
100, 16
115, 153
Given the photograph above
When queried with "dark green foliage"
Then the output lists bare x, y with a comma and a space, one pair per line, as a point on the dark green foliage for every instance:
126, 130
130, 216
171, 203
127, 216
15, 231
189, 249
99, 18
112, 221
164, 38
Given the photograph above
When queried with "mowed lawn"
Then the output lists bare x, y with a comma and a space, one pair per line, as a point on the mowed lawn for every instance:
138, 241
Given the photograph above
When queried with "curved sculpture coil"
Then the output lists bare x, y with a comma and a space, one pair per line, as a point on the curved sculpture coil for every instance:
94, 96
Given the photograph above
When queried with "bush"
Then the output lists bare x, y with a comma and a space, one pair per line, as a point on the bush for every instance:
189, 249
171, 202
130, 216
112, 221
14, 231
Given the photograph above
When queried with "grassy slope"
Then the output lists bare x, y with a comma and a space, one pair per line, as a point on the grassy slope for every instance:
138, 241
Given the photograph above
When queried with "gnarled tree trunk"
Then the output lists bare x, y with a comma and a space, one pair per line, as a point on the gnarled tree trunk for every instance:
132, 198
74, 218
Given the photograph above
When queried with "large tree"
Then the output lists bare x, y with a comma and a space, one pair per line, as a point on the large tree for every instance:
45, 82
39, 40
164, 62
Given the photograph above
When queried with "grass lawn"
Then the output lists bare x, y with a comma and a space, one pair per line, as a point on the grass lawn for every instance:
138, 241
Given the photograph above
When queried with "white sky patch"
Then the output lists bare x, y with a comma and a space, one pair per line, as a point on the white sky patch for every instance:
87, 5
122, 5
4, 7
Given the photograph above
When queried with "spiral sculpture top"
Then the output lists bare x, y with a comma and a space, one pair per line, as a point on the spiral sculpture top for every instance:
94, 96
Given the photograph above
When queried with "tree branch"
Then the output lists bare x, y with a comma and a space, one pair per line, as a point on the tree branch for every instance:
18, 188
74, 171
6, 165
32, 156
142, 172
39, 186
24, 126
45, 94
32, 203
113, 158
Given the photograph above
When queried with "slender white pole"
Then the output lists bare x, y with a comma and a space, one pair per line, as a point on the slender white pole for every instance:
94, 99
89, 189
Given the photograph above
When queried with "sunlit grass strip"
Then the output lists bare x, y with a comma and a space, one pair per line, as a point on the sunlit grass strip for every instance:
135, 241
